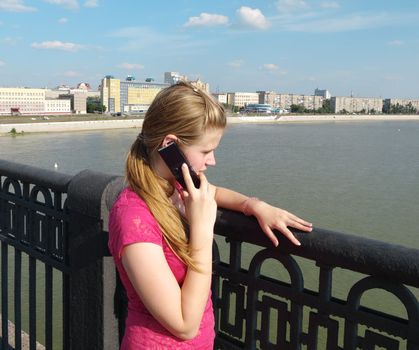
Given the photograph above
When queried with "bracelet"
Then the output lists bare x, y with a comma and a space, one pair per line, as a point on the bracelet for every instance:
245, 205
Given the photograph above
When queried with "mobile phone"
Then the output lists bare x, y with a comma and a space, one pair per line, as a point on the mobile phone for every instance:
174, 158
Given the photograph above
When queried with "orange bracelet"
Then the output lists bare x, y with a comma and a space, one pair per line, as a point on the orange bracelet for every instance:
245, 205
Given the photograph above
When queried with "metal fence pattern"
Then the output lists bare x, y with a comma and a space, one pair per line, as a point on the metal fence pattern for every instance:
54, 221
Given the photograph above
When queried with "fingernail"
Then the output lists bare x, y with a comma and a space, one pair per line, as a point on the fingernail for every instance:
276, 243
298, 243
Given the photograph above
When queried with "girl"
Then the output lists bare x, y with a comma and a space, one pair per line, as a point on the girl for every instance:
160, 235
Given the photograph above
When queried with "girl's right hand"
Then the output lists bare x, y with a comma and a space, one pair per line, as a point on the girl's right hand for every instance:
200, 204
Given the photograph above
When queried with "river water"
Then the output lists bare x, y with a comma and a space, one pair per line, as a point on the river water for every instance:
359, 178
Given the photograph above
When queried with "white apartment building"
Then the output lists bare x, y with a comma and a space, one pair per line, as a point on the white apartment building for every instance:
57, 106
220, 97
284, 101
402, 102
242, 99
22, 101
356, 104
28, 101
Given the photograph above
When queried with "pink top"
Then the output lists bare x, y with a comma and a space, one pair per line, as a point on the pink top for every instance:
130, 221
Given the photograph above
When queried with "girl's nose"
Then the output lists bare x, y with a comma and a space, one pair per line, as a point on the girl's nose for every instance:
211, 159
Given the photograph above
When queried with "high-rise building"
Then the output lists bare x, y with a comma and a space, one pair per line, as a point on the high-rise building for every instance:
128, 96
173, 77
324, 93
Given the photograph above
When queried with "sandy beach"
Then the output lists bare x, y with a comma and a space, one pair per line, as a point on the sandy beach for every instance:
82, 125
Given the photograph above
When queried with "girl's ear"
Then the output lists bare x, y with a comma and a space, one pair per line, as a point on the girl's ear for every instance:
168, 139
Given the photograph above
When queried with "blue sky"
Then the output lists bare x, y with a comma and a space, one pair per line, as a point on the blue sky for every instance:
369, 48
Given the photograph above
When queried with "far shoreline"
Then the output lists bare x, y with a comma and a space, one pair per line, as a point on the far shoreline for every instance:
106, 124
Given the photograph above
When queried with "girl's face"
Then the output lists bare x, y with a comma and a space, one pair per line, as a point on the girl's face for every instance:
201, 153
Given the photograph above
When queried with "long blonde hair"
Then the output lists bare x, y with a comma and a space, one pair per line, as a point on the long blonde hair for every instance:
186, 112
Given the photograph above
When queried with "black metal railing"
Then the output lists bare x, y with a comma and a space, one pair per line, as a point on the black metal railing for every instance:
320, 295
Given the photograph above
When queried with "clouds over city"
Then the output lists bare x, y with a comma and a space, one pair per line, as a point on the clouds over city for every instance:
246, 18
130, 66
15, 6
57, 45
206, 20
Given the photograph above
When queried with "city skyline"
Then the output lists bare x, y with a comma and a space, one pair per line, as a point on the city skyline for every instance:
367, 49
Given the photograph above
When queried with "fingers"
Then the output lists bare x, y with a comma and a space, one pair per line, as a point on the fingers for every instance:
301, 222
287, 233
190, 184
271, 235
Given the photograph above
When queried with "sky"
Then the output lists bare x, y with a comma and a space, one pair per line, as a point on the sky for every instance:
363, 48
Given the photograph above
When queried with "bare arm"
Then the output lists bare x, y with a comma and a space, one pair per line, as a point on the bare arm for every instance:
268, 216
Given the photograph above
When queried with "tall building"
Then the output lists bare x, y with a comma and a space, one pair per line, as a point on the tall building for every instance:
324, 93
129, 96
173, 77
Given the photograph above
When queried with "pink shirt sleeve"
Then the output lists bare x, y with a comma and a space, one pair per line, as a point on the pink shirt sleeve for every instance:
130, 221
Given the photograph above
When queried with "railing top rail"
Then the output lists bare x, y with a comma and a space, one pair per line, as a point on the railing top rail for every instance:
365, 255
46, 178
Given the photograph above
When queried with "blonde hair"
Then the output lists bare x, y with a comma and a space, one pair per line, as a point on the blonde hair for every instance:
186, 112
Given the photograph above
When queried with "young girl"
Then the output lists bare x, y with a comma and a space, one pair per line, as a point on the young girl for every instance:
160, 235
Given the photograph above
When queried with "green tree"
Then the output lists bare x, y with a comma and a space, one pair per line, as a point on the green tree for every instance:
94, 104
297, 109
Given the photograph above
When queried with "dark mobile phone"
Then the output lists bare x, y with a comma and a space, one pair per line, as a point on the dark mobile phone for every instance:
174, 158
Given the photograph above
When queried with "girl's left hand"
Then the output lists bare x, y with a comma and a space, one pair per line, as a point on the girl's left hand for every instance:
270, 218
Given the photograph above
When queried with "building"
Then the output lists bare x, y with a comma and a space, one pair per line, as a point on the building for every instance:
388, 102
323, 93
342, 104
174, 77
58, 106
242, 99
22, 101
220, 97
28, 101
285, 101
128, 96
199, 84
77, 97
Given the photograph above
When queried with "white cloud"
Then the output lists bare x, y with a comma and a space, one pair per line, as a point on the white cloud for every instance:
69, 4
270, 67
206, 20
63, 20
252, 18
291, 5
329, 5
71, 74
91, 3
57, 45
396, 43
2, 63
10, 41
236, 63
350, 22
15, 6
126, 65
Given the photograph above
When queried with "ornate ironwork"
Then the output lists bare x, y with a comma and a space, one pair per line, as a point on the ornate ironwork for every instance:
270, 298
257, 311
33, 222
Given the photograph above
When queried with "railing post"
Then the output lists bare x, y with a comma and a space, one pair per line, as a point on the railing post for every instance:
87, 245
